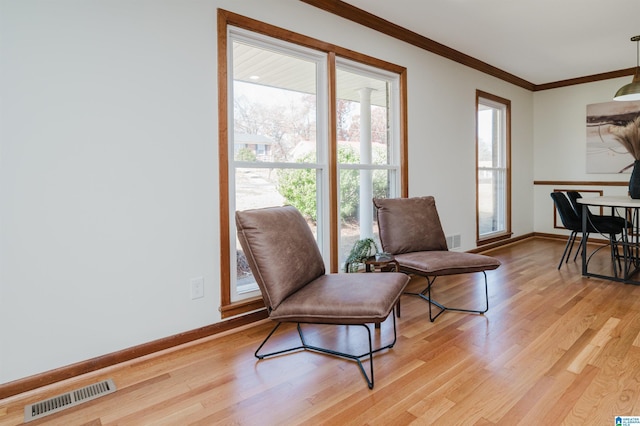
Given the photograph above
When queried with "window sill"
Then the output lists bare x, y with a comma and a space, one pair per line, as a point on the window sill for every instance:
242, 307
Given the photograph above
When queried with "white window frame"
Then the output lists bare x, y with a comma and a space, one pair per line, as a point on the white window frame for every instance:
393, 137
321, 165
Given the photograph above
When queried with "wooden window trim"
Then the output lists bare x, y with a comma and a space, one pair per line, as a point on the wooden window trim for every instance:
507, 233
229, 308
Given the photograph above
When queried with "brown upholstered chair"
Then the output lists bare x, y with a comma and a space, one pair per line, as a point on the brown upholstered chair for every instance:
410, 229
289, 269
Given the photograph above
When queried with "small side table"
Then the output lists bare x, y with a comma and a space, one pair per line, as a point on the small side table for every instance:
386, 263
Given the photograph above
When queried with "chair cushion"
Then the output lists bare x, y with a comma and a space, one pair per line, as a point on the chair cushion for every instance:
281, 251
409, 224
343, 299
434, 263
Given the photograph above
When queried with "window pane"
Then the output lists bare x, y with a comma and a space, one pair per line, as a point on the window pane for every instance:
362, 110
357, 223
256, 188
491, 206
486, 131
274, 105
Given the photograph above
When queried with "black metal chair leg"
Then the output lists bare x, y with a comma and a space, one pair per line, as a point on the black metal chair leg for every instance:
568, 247
427, 297
581, 248
573, 241
358, 358
273, 353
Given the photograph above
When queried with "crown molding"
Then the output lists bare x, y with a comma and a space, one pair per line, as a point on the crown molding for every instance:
362, 17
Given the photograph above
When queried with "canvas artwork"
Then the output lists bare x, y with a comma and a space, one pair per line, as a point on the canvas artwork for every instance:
605, 154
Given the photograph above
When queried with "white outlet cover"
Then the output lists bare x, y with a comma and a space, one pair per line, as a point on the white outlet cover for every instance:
197, 287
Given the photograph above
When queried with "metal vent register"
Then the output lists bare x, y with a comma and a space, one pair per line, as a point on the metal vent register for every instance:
67, 400
453, 241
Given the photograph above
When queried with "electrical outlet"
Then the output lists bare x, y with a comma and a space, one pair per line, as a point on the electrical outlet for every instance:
197, 287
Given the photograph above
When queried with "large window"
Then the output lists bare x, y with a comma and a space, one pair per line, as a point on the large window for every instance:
306, 124
277, 148
493, 172
367, 148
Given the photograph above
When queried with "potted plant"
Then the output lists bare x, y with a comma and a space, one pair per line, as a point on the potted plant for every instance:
361, 251
629, 137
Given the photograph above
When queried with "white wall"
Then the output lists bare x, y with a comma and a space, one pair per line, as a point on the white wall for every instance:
109, 170
560, 144
442, 141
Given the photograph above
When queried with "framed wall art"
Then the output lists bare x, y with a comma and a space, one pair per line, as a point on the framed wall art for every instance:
605, 154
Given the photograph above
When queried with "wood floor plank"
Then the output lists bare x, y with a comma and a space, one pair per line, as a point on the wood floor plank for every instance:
566, 401
554, 348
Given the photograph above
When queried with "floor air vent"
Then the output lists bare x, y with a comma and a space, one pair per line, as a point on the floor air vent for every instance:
453, 241
68, 400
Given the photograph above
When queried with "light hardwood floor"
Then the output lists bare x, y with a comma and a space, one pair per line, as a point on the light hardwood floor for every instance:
555, 348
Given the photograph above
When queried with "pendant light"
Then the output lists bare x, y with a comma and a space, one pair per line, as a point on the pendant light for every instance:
631, 91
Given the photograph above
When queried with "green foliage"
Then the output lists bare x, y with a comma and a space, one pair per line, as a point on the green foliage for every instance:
245, 154
298, 186
362, 250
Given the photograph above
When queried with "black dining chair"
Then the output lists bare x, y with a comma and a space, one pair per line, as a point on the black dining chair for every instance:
598, 221
573, 222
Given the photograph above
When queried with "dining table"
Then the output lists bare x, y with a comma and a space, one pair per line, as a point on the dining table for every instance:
625, 263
